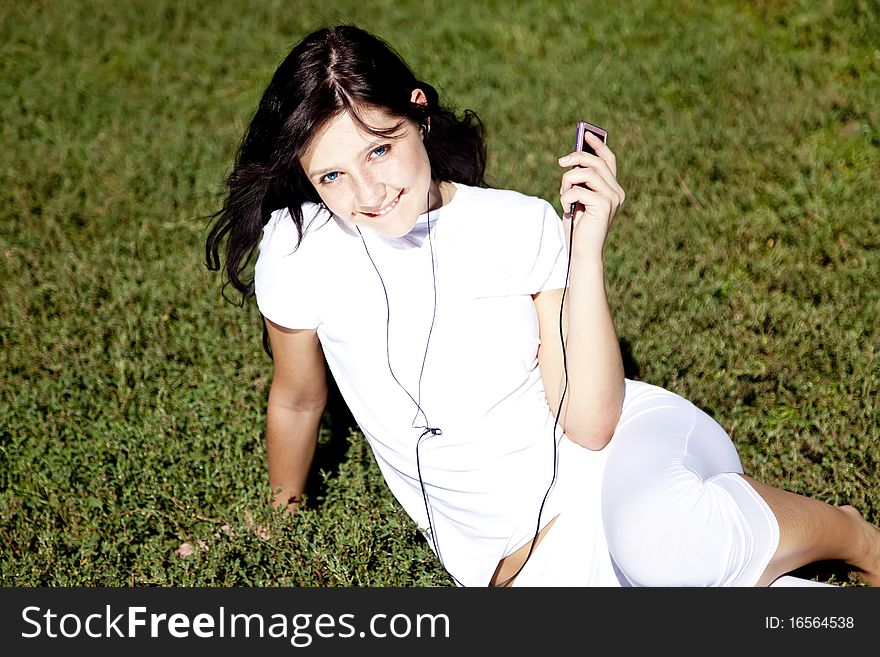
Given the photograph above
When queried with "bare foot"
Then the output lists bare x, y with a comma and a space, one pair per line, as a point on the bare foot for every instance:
868, 560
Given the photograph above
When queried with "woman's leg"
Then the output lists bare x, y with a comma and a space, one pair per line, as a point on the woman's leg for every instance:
678, 511
674, 508
810, 531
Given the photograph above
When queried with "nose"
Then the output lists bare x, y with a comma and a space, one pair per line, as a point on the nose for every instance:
369, 192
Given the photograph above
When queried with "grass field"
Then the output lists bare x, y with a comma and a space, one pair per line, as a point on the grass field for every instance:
744, 269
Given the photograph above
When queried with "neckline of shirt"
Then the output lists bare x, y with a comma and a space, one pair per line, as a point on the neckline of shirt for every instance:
435, 214
418, 234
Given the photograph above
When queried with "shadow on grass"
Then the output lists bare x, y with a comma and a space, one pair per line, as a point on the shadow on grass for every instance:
330, 454
830, 572
631, 369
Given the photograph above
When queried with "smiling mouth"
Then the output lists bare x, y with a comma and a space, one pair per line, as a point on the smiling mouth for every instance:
385, 210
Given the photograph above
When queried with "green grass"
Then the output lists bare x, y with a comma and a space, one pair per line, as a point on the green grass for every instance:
743, 269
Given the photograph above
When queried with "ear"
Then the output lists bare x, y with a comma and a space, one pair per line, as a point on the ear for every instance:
418, 97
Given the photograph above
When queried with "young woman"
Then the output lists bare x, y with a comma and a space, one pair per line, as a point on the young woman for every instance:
469, 333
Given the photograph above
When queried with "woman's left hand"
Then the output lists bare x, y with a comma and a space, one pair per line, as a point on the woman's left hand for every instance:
592, 185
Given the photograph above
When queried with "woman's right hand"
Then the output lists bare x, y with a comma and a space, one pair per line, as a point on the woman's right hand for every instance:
287, 501
296, 405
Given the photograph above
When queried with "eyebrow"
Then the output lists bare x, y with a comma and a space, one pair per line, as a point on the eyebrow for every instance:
321, 172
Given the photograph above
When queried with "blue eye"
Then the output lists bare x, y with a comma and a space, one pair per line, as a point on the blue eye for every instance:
379, 152
330, 177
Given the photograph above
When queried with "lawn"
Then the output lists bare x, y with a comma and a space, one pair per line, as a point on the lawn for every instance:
744, 268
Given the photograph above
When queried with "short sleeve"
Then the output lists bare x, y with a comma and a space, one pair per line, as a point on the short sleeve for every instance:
549, 270
281, 276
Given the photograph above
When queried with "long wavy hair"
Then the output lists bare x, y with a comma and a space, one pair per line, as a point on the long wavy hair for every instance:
332, 70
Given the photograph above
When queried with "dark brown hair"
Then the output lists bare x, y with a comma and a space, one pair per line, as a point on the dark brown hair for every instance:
332, 70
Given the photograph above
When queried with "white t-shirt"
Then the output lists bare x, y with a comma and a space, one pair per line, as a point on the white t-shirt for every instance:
468, 361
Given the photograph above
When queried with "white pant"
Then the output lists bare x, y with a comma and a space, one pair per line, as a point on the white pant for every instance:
665, 506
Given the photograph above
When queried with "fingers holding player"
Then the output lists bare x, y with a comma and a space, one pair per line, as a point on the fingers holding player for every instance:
591, 189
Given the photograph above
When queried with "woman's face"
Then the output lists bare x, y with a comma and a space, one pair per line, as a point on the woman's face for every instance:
379, 182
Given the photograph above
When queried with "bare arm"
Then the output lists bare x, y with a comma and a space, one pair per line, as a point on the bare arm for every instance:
593, 399
297, 400
591, 407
